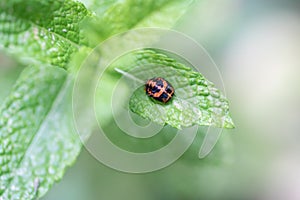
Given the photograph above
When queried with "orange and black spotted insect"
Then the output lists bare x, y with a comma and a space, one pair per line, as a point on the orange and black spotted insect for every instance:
159, 89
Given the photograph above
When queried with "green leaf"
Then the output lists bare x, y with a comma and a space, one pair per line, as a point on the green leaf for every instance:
124, 15
196, 100
99, 6
37, 137
161, 13
42, 31
9, 73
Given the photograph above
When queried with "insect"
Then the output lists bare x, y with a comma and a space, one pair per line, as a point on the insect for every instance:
159, 89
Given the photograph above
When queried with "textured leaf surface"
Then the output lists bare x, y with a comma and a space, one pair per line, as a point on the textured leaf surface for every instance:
37, 139
196, 100
125, 15
42, 31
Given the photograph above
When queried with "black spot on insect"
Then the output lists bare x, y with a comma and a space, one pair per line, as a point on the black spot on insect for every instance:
159, 89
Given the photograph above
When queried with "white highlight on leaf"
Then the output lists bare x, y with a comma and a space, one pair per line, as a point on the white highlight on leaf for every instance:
129, 75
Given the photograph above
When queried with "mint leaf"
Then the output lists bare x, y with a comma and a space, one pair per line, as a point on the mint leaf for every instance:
196, 100
37, 137
125, 15
42, 31
99, 7
161, 13
9, 73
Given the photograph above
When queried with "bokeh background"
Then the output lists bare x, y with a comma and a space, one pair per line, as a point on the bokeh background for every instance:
256, 45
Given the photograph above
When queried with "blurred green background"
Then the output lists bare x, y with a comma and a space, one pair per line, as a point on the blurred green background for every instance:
256, 45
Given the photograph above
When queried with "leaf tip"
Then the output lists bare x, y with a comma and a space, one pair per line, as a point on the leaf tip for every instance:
229, 123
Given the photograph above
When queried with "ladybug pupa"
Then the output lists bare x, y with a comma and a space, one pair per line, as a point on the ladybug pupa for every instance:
159, 89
